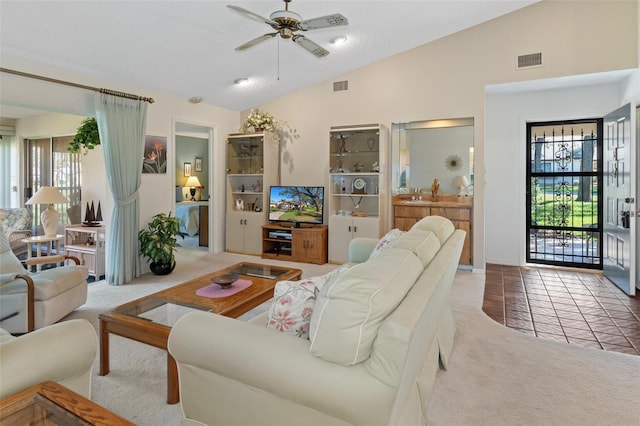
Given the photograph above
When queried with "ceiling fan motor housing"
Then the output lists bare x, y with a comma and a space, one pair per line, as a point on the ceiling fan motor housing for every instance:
288, 22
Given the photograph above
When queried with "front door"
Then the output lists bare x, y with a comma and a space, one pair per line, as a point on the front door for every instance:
618, 247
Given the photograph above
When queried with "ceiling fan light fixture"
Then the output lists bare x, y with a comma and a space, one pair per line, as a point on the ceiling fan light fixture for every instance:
339, 40
241, 81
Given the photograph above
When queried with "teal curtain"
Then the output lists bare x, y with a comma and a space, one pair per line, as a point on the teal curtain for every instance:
122, 124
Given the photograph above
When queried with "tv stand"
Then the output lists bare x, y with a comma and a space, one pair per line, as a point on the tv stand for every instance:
297, 244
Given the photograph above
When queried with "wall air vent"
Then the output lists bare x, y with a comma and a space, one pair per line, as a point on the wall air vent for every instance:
530, 60
341, 86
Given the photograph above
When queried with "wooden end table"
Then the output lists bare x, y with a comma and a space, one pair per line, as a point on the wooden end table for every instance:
149, 319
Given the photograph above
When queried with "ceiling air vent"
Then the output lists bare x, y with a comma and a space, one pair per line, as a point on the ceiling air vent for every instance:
530, 60
341, 86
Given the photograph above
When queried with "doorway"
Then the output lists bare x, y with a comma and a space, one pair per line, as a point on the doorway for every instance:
564, 193
192, 197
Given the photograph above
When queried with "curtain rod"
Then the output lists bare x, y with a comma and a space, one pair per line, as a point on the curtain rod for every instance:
82, 86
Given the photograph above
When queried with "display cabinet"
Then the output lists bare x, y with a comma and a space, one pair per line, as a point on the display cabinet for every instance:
357, 185
87, 244
252, 168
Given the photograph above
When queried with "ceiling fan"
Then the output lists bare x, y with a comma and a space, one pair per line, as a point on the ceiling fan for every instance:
287, 23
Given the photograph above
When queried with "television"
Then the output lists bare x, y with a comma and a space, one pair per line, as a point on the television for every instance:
296, 205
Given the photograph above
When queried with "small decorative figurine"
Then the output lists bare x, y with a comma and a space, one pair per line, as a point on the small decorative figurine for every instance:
435, 187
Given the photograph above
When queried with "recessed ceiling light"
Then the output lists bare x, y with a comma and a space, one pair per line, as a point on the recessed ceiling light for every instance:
339, 40
241, 81
195, 99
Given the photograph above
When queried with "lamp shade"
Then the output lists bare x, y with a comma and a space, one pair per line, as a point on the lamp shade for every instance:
48, 195
461, 182
193, 181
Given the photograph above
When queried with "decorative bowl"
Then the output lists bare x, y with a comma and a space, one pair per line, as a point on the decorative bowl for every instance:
226, 280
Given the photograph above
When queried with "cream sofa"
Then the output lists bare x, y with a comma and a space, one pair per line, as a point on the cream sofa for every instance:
379, 334
62, 353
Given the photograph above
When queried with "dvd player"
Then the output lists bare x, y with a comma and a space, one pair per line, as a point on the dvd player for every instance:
280, 234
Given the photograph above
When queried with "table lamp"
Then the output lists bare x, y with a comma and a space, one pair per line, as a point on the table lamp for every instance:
194, 183
462, 182
49, 216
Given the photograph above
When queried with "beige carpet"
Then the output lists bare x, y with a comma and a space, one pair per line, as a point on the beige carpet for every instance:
496, 376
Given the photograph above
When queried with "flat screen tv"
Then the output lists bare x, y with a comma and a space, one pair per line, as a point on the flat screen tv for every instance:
296, 204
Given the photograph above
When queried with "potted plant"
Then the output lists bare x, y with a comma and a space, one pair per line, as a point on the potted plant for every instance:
87, 136
158, 242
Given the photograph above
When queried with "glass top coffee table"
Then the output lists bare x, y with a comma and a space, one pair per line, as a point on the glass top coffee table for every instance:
50, 403
150, 318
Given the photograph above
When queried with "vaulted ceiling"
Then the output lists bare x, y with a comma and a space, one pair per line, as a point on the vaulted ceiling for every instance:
187, 48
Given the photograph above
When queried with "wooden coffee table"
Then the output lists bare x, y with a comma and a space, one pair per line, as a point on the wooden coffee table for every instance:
50, 403
150, 318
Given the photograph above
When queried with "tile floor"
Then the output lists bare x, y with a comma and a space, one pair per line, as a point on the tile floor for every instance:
575, 307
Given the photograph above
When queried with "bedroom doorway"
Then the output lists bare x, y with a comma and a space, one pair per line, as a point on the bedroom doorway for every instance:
193, 180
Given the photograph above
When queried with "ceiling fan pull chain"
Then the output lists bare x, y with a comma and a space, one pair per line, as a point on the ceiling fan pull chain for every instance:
278, 59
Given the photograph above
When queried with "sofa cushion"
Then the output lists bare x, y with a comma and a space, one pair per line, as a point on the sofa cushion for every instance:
349, 310
293, 303
385, 241
441, 226
423, 244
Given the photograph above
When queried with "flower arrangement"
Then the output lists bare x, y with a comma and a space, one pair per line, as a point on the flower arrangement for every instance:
259, 121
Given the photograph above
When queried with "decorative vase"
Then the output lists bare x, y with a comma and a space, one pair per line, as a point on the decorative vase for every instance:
162, 268
258, 129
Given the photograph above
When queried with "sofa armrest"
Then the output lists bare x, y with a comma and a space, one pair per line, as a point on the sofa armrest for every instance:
361, 248
280, 366
63, 353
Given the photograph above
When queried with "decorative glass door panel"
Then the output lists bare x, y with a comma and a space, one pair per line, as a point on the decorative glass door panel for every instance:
564, 207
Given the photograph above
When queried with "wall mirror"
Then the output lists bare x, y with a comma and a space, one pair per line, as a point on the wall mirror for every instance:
422, 151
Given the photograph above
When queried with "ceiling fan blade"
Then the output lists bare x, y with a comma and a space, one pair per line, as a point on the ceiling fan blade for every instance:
249, 14
256, 41
311, 46
323, 22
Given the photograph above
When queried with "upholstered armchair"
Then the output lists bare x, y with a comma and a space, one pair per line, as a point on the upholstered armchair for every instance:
62, 353
17, 226
31, 301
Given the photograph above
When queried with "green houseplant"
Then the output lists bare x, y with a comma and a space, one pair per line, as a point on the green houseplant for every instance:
158, 242
87, 136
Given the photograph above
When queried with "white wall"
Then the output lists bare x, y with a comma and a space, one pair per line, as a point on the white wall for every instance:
447, 79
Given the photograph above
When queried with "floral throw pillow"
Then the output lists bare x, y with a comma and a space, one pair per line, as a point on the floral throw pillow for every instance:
293, 303
384, 242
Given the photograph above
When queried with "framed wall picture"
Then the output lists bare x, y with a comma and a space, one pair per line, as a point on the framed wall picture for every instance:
155, 154
187, 169
198, 164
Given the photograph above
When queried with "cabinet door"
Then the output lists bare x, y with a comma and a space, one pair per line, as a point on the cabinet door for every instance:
308, 246
235, 231
340, 234
366, 227
89, 260
252, 238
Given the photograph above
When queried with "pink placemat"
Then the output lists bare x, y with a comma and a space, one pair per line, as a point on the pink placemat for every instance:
214, 290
